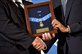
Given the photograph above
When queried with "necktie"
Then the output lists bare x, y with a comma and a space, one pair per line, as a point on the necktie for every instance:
21, 11
20, 7
63, 2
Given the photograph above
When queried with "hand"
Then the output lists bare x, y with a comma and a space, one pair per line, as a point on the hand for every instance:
56, 24
47, 36
39, 44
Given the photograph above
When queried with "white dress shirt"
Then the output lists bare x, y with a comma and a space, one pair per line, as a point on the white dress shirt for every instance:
29, 0
64, 2
20, 2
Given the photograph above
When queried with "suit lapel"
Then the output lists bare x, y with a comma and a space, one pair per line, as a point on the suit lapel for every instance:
14, 12
68, 8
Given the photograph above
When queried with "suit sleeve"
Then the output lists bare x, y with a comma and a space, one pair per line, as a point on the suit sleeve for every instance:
77, 27
11, 32
75, 17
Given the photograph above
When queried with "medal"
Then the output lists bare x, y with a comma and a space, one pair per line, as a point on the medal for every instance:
41, 24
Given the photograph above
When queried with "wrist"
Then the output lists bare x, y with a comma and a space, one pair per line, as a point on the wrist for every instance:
68, 29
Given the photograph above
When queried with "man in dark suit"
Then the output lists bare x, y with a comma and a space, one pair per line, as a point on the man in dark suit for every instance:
14, 37
70, 27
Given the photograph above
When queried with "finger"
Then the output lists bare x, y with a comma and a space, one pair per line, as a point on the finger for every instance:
49, 36
53, 21
34, 44
53, 35
56, 26
43, 37
53, 25
46, 36
43, 47
37, 45
40, 48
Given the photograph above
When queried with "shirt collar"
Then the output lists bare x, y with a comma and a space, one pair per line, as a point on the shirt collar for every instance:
29, 0
18, 1
13, 1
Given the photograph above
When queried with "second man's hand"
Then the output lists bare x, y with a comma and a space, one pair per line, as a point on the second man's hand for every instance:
57, 25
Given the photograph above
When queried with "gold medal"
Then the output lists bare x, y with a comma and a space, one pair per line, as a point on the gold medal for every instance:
41, 24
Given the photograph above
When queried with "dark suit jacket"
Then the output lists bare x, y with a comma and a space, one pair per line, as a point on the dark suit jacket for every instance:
73, 19
70, 42
14, 38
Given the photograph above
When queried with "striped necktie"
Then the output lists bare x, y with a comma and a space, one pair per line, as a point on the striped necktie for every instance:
63, 2
21, 11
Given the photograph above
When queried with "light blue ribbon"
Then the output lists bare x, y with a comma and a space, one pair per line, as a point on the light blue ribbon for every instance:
40, 19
